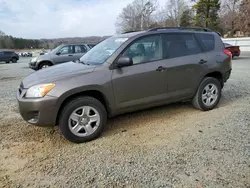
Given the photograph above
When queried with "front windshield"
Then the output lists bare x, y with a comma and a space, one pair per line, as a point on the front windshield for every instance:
56, 49
101, 52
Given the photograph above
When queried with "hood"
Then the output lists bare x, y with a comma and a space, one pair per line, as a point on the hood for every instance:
45, 56
56, 72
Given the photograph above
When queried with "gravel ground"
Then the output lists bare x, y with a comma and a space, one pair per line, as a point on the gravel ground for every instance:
171, 146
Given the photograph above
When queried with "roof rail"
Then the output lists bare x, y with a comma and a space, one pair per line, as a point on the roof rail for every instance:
129, 32
182, 28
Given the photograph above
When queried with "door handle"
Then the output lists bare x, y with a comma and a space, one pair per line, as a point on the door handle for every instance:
70, 55
161, 68
202, 61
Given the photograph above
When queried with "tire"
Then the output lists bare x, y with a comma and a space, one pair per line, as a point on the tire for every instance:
14, 60
44, 65
7, 62
199, 102
67, 125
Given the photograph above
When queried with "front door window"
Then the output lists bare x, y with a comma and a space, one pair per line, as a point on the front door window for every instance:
145, 49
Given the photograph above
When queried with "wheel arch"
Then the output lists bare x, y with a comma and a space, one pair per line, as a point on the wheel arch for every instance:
90, 93
218, 75
44, 61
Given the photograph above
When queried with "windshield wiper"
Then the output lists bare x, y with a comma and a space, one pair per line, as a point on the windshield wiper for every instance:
83, 62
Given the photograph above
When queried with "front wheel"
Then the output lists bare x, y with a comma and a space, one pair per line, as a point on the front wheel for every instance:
44, 65
208, 94
83, 119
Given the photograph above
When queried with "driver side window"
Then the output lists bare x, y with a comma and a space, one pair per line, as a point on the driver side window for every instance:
145, 49
66, 50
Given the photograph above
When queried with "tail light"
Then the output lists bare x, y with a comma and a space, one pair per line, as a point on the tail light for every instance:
228, 53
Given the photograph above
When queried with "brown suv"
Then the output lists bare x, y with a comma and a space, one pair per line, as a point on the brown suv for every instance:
125, 73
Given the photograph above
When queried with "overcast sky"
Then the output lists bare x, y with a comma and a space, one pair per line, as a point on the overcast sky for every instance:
60, 18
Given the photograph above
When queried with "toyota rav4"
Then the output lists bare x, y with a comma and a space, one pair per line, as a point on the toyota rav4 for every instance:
125, 73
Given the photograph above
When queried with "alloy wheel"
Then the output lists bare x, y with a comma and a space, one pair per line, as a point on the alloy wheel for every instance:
84, 121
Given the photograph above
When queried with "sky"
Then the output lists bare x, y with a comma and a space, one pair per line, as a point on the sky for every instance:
36, 19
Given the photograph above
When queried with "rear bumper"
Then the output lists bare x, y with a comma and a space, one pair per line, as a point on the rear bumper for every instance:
227, 75
236, 53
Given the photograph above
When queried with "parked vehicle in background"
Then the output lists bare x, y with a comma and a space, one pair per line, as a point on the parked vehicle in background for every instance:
125, 73
235, 50
8, 55
25, 54
61, 54
91, 45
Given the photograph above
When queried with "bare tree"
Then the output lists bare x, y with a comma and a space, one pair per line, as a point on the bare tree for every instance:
127, 19
2, 33
229, 15
243, 21
159, 18
136, 16
174, 10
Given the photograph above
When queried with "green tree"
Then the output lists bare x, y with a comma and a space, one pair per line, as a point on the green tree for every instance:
186, 18
207, 13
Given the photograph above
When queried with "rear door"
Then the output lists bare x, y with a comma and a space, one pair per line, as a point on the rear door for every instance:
185, 61
80, 50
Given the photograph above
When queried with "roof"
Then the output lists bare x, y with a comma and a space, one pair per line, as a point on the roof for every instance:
6, 50
167, 30
130, 34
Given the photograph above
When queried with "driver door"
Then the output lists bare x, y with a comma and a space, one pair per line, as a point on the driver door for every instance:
143, 83
66, 54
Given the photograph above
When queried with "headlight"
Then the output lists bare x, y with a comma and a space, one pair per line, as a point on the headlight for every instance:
39, 91
34, 59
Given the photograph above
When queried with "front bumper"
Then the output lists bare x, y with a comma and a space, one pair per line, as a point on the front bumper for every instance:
33, 65
41, 112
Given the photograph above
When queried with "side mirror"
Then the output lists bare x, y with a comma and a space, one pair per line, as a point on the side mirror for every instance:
58, 53
76, 61
124, 62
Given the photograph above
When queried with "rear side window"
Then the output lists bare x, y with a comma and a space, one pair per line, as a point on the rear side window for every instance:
80, 49
207, 40
8, 53
178, 45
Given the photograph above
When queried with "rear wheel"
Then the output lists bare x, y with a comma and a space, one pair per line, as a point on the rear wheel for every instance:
83, 119
7, 62
208, 94
44, 65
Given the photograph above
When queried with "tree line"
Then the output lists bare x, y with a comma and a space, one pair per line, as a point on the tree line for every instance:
9, 42
226, 17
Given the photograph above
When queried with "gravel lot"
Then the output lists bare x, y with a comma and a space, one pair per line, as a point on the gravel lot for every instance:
170, 146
